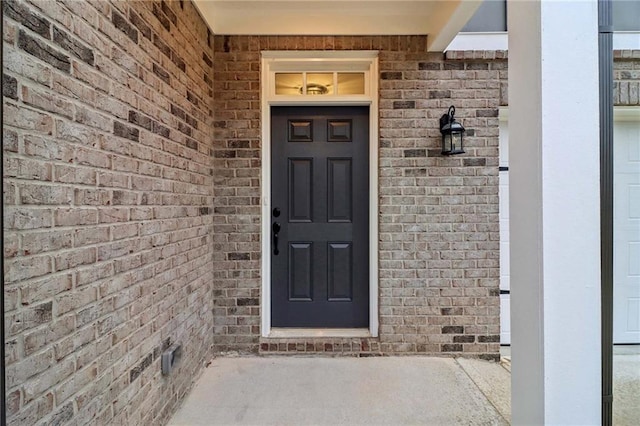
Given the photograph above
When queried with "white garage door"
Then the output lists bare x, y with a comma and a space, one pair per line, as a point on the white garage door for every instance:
626, 233
505, 307
626, 276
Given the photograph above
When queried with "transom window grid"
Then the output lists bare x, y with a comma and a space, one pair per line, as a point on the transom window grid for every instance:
320, 83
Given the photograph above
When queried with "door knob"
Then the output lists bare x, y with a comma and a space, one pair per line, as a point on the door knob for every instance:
276, 229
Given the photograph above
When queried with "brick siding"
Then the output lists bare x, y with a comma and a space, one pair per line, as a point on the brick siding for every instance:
439, 236
626, 77
626, 73
108, 192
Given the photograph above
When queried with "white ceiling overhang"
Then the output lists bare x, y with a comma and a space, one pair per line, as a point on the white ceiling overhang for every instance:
440, 20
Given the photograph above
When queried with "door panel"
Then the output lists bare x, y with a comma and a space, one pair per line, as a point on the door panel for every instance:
300, 189
320, 184
339, 272
300, 271
340, 186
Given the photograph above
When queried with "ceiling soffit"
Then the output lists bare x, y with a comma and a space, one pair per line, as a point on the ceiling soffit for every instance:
440, 20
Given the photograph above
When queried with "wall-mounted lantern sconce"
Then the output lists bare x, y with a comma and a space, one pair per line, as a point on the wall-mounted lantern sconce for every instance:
452, 132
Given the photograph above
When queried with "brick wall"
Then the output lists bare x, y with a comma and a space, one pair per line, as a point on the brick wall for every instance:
626, 73
439, 236
107, 190
626, 77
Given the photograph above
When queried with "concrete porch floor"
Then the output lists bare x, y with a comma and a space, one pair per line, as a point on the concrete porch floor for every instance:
347, 391
373, 391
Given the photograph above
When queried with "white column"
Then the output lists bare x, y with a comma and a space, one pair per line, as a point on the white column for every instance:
554, 212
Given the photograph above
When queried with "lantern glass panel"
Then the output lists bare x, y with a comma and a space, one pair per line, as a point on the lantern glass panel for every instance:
446, 142
456, 142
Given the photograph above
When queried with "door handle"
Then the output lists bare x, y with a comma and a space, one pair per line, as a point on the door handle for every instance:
276, 229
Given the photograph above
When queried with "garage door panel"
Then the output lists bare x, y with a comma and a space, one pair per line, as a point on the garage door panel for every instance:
634, 255
633, 319
503, 192
504, 265
634, 201
505, 323
626, 147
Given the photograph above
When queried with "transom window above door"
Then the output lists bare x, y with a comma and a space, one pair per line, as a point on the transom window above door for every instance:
319, 76
320, 83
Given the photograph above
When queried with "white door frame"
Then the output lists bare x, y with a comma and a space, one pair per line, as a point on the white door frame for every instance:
319, 61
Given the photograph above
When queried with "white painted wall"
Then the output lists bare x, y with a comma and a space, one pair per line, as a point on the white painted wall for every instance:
554, 212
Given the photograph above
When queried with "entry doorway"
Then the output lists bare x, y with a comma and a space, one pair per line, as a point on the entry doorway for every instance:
320, 217
321, 79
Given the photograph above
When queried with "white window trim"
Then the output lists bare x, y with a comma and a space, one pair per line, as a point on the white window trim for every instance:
299, 61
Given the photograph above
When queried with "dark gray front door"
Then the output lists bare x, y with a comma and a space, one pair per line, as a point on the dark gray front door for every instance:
320, 214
